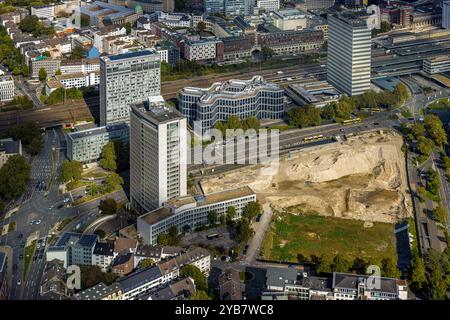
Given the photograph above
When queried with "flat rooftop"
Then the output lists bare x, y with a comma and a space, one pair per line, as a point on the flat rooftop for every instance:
162, 213
97, 131
156, 114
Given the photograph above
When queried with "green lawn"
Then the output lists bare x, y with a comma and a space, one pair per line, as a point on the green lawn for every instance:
28, 254
443, 103
314, 235
77, 184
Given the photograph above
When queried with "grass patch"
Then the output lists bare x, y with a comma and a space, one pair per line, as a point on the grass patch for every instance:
28, 254
313, 235
89, 197
440, 104
282, 127
72, 185
407, 113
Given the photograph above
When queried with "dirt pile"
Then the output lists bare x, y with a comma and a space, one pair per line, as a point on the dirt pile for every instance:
361, 178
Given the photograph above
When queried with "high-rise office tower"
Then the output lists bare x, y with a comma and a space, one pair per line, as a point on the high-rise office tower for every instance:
228, 7
349, 52
158, 154
125, 79
446, 14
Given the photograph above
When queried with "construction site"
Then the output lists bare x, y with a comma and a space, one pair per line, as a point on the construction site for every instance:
361, 178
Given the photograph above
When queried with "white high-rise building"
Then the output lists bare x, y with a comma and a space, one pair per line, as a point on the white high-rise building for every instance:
446, 14
268, 5
349, 52
126, 79
158, 154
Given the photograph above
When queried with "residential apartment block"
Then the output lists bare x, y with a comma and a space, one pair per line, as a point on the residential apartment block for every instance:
144, 283
86, 145
158, 155
126, 79
341, 286
6, 88
242, 98
189, 213
73, 248
85, 65
203, 50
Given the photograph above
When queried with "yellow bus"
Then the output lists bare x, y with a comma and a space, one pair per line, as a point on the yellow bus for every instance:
375, 110
313, 138
350, 121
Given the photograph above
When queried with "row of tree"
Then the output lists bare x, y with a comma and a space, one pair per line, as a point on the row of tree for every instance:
430, 275
309, 115
339, 263
234, 123
10, 56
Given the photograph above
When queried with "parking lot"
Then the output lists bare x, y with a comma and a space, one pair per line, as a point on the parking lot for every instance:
224, 238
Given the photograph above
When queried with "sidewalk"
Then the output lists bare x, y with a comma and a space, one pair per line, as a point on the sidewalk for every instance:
9, 254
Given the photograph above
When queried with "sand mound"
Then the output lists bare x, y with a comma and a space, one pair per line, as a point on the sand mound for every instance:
361, 178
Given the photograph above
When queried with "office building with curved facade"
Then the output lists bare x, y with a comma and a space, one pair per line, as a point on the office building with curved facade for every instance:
242, 98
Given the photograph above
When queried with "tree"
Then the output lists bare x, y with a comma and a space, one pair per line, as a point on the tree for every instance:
328, 112
108, 160
42, 75
389, 268
30, 135
91, 275
425, 146
418, 130
251, 123
359, 266
200, 295
163, 239
77, 53
439, 214
340, 264
14, 177
251, 210
212, 217
58, 72
304, 116
401, 92
71, 170
108, 206
417, 273
243, 230
201, 26
195, 273
231, 214
145, 263
325, 264
112, 181
110, 277
437, 286
101, 234
128, 27
435, 129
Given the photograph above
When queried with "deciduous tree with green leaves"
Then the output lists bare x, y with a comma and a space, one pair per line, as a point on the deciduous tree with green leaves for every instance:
195, 273
108, 160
